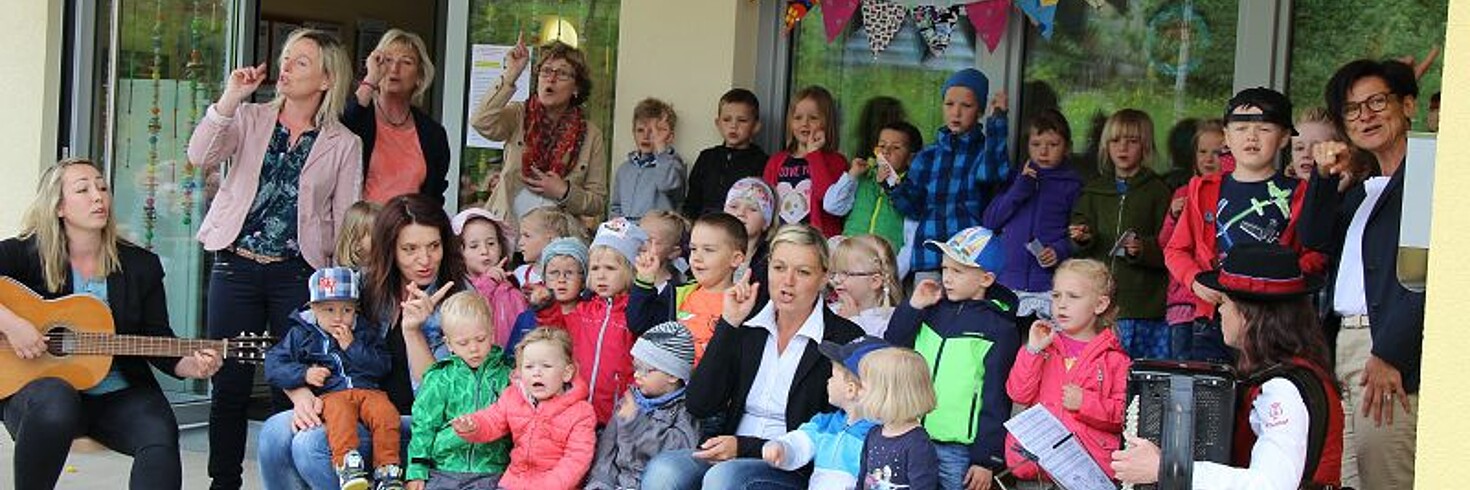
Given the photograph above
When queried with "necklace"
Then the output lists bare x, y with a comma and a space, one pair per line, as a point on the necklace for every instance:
402, 121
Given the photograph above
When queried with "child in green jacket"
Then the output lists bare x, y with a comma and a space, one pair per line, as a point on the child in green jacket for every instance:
469, 380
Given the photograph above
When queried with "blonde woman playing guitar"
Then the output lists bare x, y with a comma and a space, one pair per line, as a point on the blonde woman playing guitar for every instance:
69, 244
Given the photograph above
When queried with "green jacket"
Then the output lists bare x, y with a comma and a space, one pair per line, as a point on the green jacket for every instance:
1142, 281
451, 389
872, 212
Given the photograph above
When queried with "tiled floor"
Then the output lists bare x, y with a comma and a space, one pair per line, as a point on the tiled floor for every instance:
96, 468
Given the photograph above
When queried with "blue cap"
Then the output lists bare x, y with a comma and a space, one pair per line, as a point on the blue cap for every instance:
851, 354
333, 284
975, 246
969, 78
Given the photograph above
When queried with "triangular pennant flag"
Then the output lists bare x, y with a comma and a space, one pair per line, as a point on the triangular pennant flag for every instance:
936, 25
881, 20
795, 10
1041, 12
836, 14
989, 18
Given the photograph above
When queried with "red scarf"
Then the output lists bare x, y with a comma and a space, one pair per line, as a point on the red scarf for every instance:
549, 142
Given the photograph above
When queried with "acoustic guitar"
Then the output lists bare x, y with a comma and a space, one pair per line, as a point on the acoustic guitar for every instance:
80, 342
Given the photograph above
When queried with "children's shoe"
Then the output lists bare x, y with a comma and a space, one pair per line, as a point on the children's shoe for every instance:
351, 474
389, 477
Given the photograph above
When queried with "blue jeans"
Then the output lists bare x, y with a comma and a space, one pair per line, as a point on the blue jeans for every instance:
954, 462
1144, 338
680, 470
291, 460
1181, 340
1208, 343
244, 296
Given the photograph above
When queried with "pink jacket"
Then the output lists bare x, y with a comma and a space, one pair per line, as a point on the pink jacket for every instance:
602, 345
552, 442
1101, 371
331, 179
1180, 299
506, 303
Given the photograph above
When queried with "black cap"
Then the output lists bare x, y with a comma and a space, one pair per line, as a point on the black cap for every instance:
1261, 272
1274, 106
850, 355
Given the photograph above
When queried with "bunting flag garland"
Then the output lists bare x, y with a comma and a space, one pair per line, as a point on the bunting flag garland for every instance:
882, 20
936, 26
836, 14
989, 18
1041, 12
795, 10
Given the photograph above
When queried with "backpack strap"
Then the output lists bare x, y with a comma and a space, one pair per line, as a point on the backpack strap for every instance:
1314, 396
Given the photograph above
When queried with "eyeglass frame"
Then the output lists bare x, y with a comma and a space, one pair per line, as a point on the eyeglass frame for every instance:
555, 74
560, 275
1353, 110
839, 277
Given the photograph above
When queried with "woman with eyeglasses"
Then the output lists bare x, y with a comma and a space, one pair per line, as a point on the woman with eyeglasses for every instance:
554, 155
404, 150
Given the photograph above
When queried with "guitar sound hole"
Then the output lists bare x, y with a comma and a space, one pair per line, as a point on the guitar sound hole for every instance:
60, 341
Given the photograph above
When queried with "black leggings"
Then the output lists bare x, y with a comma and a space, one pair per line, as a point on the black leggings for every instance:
45, 415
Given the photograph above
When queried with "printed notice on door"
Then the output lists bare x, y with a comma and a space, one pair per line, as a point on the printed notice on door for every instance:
487, 62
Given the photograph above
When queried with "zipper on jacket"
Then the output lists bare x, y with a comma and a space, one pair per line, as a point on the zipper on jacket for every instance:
597, 352
470, 462
1117, 229
974, 414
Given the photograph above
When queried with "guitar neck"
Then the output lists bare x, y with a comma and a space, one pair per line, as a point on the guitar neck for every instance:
138, 345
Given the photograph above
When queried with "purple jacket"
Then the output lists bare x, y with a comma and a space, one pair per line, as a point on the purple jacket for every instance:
1034, 208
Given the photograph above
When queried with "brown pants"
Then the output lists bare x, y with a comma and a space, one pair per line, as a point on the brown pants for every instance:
343, 409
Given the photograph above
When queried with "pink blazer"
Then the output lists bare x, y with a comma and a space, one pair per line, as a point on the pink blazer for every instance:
331, 179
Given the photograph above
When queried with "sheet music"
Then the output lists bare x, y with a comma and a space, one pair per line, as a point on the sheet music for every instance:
1057, 450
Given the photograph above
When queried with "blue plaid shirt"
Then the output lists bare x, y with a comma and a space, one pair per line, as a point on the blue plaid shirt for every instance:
949, 185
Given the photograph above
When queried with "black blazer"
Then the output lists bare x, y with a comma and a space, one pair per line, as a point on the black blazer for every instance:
724, 377
135, 295
433, 141
1395, 314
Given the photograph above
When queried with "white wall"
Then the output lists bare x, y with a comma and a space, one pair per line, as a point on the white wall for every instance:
687, 54
31, 79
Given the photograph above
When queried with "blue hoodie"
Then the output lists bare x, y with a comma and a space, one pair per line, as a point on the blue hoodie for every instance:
1038, 208
363, 365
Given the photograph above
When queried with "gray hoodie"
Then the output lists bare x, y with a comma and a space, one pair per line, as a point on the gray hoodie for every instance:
642, 184
626, 446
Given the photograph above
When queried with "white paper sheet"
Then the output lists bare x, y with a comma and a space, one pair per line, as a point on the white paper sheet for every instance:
1057, 450
487, 62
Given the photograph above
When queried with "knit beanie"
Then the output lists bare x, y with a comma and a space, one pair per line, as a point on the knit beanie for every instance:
754, 190
969, 78
668, 347
569, 247
621, 235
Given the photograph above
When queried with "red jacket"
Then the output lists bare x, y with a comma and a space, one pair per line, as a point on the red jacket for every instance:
1180, 299
601, 345
552, 442
1192, 248
825, 168
1102, 372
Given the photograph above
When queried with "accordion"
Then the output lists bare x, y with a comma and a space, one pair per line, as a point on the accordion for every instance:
1188, 409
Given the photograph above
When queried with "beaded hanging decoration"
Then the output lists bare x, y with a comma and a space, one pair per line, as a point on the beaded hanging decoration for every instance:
155, 126
193, 72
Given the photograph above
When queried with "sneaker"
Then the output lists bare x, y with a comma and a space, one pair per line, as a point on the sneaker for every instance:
389, 477
351, 474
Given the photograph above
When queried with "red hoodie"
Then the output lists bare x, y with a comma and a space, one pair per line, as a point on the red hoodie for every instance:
1191, 250
1102, 373
601, 345
825, 167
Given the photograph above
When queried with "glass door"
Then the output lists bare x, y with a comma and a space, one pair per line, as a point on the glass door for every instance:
160, 64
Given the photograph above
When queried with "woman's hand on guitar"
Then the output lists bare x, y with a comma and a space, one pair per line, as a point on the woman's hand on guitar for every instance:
201, 365
24, 339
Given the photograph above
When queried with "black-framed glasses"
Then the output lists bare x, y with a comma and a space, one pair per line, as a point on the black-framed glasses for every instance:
1351, 111
556, 73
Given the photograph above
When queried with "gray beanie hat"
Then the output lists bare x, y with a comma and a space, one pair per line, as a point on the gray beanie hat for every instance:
667, 347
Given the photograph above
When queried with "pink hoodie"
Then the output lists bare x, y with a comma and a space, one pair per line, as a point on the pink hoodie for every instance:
1102, 372
552, 442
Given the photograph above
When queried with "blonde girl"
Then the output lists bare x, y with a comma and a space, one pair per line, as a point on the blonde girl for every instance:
545, 412
865, 279
1073, 365
810, 163
355, 241
538, 228
897, 392
1117, 220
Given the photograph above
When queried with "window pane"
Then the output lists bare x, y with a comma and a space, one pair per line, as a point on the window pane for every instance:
1171, 59
1325, 36
596, 25
905, 71
170, 64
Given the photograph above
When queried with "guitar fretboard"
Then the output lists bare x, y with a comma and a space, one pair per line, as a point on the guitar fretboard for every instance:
82, 343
